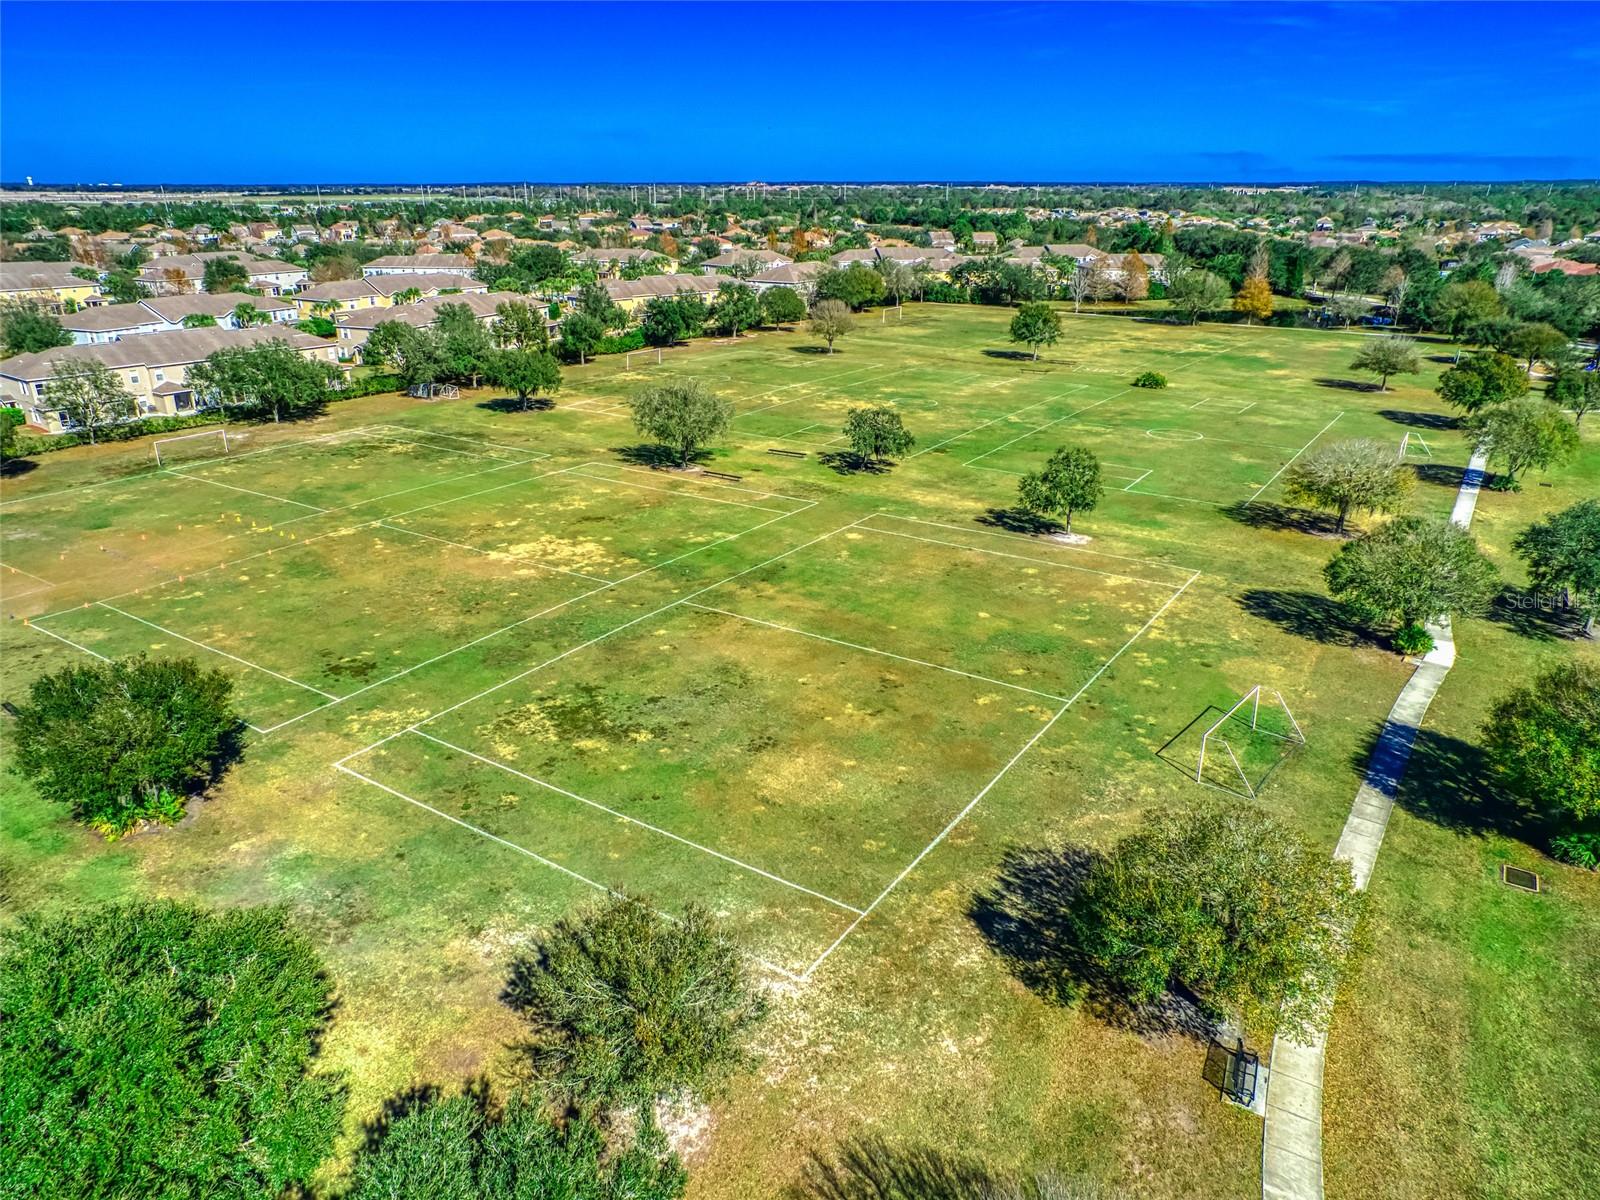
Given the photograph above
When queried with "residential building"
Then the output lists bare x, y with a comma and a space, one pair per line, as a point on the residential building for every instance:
180, 273
630, 294
356, 327
153, 369
221, 307
609, 260
418, 264
428, 285
801, 276
341, 295
733, 261
343, 231
50, 284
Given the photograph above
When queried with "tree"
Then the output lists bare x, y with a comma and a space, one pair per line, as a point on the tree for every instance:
736, 308
223, 275
464, 341
90, 393
831, 320
1193, 292
1088, 281
1226, 902
1035, 325
662, 322
525, 372
877, 433
1350, 309
1523, 433
898, 280
156, 1049
580, 335
454, 1148
27, 328
10, 421
1254, 299
199, 321
627, 1006
126, 741
1355, 474
1135, 277
1562, 553
1394, 354
1481, 380
334, 267
270, 376
1537, 342
1463, 305
682, 416
247, 315
596, 303
1413, 570
518, 327
176, 280
856, 286
1543, 742
1069, 483
782, 306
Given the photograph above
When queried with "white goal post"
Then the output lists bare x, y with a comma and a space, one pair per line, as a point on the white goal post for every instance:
1413, 444
1253, 699
222, 433
627, 359
899, 314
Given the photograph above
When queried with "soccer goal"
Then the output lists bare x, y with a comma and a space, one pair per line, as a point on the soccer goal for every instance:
899, 314
1277, 725
645, 357
187, 447
1412, 445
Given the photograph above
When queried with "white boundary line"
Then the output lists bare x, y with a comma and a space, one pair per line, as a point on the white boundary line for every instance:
578, 471
822, 637
501, 554
1044, 562
667, 833
1296, 454
698, 481
1077, 387
1022, 537
539, 858
1046, 425
315, 508
1001, 774
455, 437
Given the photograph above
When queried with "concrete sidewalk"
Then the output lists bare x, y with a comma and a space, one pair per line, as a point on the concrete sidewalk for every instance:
1291, 1137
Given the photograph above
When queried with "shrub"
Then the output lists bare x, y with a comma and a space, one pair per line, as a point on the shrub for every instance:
1150, 379
1579, 849
125, 742
1413, 640
620, 343
628, 1006
157, 1049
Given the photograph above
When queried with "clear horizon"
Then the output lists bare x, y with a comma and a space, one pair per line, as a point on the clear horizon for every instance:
1027, 93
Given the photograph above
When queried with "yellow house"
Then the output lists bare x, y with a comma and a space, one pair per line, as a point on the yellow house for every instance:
51, 284
341, 296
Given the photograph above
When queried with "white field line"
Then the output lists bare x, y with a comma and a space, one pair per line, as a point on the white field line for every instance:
204, 646
578, 471
814, 382
29, 574
1297, 454
52, 633
872, 379
501, 554
822, 637
1077, 387
23, 595
656, 612
1046, 425
1139, 480
1022, 537
315, 508
999, 775
539, 858
396, 440
1044, 562
494, 633
1170, 496
667, 833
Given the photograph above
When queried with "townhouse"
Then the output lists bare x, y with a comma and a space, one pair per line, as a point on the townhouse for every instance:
356, 327
181, 273
418, 264
801, 276
380, 291
631, 294
733, 262
50, 284
610, 260
153, 369
162, 314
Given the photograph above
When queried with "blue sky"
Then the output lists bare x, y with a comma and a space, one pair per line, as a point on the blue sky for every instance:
412, 92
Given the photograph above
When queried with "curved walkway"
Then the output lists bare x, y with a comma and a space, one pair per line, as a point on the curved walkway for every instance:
1291, 1140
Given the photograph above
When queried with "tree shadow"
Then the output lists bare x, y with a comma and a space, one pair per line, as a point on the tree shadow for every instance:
1281, 518
1442, 475
1310, 616
811, 350
848, 462
1346, 385
1012, 355
873, 1168
657, 457
1023, 919
412, 1100
1536, 616
1420, 420
510, 404
1448, 783
1020, 520
11, 468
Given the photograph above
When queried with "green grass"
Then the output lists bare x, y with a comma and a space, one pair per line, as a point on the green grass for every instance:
773, 696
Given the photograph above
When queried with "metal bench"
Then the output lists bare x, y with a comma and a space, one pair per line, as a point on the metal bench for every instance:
786, 453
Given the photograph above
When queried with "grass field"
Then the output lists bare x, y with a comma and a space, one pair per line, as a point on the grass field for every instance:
496, 664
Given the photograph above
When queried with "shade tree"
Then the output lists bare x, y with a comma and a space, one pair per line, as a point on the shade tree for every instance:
683, 416
527, 372
1562, 554
735, 308
90, 394
1387, 356
1068, 483
1529, 433
268, 377
1481, 380
877, 433
782, 306
26, 327
1354, 475
831, 320
1035, 324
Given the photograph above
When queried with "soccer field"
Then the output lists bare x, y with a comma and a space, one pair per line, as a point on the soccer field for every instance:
496, 664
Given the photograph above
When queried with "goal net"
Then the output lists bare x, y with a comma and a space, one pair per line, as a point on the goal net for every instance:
1247, 742
195, 447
